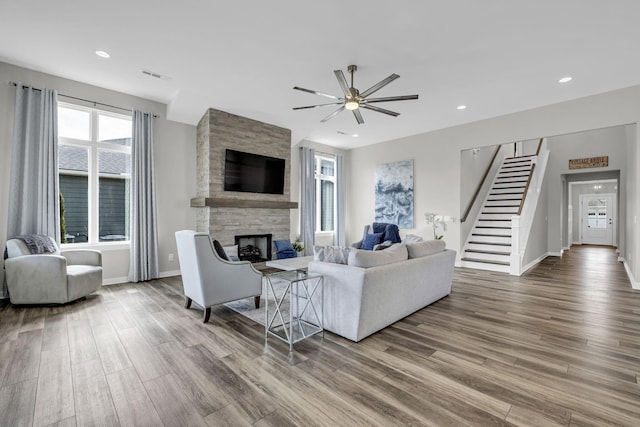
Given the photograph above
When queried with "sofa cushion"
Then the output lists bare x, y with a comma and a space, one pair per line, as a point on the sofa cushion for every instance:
366, 259
334, 254
412, 238
382, 246
425, 248
370, 240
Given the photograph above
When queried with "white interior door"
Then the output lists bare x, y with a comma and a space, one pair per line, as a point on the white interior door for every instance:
598, 216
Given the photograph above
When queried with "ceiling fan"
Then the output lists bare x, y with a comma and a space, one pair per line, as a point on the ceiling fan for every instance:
354, 100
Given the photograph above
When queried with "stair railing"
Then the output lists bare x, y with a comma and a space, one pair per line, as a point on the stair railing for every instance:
463, 218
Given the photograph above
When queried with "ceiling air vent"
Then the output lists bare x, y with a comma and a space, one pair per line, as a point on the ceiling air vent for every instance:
156, 75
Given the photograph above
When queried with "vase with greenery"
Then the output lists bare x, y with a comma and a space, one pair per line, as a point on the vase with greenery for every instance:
298, 246
436, 221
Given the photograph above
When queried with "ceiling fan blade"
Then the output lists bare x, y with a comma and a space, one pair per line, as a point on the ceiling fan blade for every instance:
358, 116
342, 81
332, 115
379, 110
315, 92
316, 106
390, 98
376, 87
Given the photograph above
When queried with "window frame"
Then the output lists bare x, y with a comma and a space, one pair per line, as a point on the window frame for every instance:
319, 177
93, 147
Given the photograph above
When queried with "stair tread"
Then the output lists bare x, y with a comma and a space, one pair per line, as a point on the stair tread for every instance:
493, 227
520, 157
502, 206
499, 213
491, 235
485, 261
503, 200
489, 243
478, 251
488, 219
501, 194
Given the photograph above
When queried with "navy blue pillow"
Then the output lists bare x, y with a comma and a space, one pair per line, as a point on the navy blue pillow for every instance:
283, 245
370, 240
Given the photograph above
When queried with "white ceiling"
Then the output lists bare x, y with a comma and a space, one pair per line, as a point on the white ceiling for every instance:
244, 57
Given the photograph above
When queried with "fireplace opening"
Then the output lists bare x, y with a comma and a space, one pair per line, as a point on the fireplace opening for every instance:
254, 247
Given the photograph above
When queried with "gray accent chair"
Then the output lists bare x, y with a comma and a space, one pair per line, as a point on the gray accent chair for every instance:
54, 278
208, 279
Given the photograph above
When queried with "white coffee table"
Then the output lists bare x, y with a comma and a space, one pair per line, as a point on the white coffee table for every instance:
291, 264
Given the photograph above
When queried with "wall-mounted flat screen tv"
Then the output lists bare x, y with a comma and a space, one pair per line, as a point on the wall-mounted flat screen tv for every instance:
253, 173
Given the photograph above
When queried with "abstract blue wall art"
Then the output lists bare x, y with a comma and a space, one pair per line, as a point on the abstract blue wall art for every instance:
394, 193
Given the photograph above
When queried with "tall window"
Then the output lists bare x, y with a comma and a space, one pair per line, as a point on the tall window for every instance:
94, 163
325, 193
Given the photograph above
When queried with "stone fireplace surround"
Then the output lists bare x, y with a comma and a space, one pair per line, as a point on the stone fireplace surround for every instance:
227, 214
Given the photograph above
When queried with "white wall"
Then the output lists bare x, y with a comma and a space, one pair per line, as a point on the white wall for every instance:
538, 243
174, 161
630, 255
437, 156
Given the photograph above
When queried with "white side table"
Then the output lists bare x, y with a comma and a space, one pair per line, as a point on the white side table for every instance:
302, 318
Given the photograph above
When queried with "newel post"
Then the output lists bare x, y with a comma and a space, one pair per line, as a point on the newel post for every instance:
516, 259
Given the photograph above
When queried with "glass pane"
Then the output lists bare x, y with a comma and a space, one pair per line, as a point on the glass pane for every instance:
74, 218
113, 209
113, 198
74, 123
73, 158
327, 167
114, 130
114, 163
326, 208
597, 213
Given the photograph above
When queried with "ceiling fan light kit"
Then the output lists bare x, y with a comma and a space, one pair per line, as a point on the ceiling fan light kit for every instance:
353, 99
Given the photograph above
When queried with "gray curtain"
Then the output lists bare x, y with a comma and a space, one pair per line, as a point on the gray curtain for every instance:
34, 207
143, 263
338, 237
308, 199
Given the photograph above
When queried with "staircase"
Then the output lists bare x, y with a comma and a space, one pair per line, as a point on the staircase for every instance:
489, 244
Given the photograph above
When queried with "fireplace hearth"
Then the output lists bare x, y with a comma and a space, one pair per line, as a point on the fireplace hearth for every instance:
254, 247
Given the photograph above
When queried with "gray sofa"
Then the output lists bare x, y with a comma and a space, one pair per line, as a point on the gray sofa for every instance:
376, 289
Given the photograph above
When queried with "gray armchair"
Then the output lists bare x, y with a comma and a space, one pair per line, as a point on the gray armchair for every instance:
208, 279
51, 278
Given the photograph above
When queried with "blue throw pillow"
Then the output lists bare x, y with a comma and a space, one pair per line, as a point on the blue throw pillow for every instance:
370, 240
283, 245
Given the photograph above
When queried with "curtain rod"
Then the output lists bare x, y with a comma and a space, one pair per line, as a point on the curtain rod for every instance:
95, 103
323, 153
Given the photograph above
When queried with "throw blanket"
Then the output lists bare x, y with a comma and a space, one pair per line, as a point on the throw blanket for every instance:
36, 243
390, 231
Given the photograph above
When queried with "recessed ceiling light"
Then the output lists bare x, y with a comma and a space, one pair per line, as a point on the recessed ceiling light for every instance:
565, 79
102, 54
461, 107
355, 135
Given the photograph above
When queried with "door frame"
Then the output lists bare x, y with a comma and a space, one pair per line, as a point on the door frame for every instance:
571, 239
614, 216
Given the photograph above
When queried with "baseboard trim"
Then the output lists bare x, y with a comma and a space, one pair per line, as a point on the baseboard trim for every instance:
114, 281
634, 283
169, 273
120, 280
536, 262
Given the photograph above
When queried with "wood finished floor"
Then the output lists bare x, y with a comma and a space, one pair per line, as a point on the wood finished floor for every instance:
558, 346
